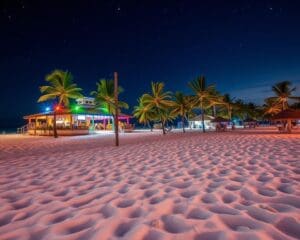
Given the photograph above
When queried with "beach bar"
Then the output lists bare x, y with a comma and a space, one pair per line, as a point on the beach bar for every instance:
81, 119
69, 123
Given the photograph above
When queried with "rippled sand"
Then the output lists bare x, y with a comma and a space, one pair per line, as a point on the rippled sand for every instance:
213, 186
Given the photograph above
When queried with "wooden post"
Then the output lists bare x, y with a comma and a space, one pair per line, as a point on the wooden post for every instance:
93, 123
54, 124
116, 115
289, 126
35, 126
71, 121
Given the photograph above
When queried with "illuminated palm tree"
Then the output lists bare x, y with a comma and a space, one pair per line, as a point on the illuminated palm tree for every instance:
283, 92
204, 95
271, 107
159, 102
61, 88
144, 113
228, 102
252, 110
105, 99
182, 107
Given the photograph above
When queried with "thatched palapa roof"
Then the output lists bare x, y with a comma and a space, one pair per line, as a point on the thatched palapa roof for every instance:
220, 119
287, 114
199, 118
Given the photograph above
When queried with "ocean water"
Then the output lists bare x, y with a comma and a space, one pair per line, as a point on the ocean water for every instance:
8, 130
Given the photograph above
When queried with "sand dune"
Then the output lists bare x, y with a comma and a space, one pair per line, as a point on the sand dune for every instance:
181, 186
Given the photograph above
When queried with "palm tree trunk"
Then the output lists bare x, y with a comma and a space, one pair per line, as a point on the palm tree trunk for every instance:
54, 125
163, 127
229, 113
202, 116
182, 120
149, 125
214, 110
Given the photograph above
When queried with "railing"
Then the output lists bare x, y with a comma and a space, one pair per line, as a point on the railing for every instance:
23, 129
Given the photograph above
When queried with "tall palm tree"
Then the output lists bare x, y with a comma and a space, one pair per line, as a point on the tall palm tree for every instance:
204, 94
229, 104
252, 110
283, 92
61, 88
105, 99
144, 113
182, 107
271, 107
240, 109
160, 102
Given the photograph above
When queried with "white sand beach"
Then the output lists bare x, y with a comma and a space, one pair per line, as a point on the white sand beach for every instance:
242, 185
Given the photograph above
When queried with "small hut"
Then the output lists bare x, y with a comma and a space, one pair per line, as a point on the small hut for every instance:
250, 123
286, 117
196, 122
221, 123
220, 120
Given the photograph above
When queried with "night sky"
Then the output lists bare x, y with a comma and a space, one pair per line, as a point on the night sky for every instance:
243, 47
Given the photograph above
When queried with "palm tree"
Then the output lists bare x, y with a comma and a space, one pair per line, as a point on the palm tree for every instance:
61, 88
182, 107
204, 95
160, 102
252, 110
271, 107
105, 99
144, 113
240, 109
283, 92
229, 104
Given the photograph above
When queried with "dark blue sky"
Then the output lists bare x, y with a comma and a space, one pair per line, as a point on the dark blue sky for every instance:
242, 46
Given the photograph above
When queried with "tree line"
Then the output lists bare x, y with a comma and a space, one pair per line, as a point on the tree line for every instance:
160, 106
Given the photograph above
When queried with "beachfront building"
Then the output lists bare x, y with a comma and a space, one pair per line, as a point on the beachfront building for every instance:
196, 122
78, 120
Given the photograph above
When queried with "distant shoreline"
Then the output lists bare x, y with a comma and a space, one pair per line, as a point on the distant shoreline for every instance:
8, 130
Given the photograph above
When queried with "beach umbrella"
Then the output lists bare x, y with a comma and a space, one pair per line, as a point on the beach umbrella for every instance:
220, 119
199, 118
247, 120
287, 115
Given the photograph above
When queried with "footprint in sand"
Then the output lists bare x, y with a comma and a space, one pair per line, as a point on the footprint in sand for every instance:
189, 193
289, 226
261, 214
229, 198
156, 200
126, 203
180, 208
155, 235
150, 192
209, 198
217, 235
285, 188
240, 223
108, 211
175, 224
136, 213
223, 209
124, 228
73, 226
197, 213
269, 192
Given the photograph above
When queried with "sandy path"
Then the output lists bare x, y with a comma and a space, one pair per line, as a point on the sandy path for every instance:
193, 186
